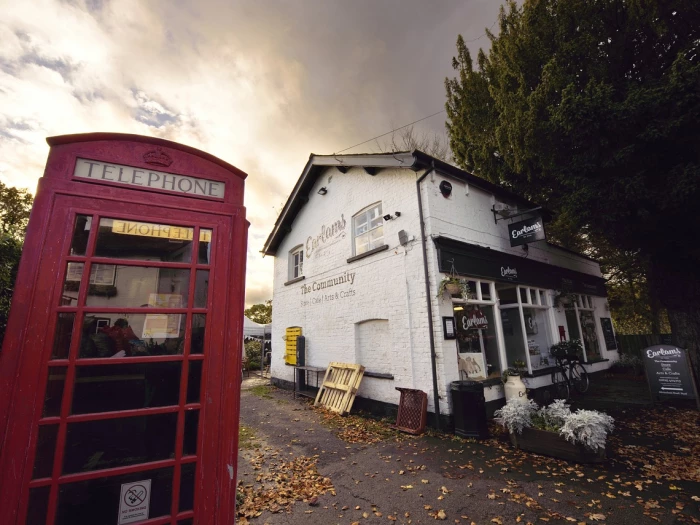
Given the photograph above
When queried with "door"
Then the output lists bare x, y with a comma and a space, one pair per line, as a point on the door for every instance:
126, 339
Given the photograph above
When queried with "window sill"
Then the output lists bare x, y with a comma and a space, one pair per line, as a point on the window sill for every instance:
300, 278
367, 254
593, 361
377, 375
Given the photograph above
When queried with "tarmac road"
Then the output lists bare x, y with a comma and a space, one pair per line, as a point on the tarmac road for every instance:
484, 482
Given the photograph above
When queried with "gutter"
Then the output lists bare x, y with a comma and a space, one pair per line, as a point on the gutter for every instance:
428, 296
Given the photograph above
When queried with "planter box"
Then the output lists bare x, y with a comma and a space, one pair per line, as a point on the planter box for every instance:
552, 444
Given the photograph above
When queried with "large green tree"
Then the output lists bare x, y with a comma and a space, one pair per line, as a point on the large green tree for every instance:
260, 313
15, 205
592, 108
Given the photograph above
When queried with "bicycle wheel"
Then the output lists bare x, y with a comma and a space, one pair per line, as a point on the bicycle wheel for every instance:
560, 384
579, 377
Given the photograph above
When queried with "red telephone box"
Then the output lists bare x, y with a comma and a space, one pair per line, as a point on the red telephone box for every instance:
120, 370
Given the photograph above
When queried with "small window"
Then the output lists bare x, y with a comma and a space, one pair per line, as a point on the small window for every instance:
368, 229
296, 262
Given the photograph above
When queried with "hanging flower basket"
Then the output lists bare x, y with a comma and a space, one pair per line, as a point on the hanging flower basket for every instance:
453, 288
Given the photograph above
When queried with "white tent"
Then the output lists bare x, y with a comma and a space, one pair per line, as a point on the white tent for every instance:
251, 329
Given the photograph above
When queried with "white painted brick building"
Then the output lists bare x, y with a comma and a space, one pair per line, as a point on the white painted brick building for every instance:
350, 271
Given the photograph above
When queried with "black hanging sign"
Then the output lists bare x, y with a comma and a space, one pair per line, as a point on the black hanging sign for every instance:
608, 333
668, 372
529, 230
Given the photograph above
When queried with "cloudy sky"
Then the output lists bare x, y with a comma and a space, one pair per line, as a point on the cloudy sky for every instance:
258, 83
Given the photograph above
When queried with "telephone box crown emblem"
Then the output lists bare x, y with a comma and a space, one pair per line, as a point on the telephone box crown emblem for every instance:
157, 157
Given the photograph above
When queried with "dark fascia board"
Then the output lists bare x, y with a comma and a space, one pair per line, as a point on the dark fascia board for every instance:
415, 160
425, 161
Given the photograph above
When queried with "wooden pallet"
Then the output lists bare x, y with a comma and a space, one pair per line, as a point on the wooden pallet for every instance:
339, 387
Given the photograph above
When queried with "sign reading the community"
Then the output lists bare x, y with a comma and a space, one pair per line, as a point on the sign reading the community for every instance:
529, 230
148, 179
608, 333
668, 372
134, 502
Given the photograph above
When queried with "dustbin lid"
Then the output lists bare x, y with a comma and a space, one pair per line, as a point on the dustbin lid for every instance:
467, 386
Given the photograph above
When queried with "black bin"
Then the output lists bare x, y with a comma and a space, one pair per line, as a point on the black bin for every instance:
469, 409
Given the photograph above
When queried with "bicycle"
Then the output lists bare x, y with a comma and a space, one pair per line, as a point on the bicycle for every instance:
577, 376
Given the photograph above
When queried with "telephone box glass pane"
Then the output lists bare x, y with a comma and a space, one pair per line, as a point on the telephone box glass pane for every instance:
189, 444
146, 241
187, 486
97, 500
201, 289
136, 286
54, 391
81, 232
198, 331
194, 382
45, 449
204, 246
71, 285
38, 505
132, 335
109, 388
108, 443
63, 336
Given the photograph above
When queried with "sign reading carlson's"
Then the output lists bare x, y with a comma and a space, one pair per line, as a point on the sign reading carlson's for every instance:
146, 178
529, 230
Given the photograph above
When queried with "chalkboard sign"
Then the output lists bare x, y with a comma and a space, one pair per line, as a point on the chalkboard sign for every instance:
608, 333
668, 372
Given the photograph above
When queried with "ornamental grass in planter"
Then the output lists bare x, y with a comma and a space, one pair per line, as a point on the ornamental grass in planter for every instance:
555, 430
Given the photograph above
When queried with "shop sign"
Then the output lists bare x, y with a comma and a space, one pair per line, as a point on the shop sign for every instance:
668, 372
608, 333
329, 235
475, 320
529, 230
148, 179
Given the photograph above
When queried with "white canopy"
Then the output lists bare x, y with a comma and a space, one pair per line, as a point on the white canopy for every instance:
253, 329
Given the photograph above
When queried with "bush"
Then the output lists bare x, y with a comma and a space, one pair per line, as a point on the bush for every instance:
252, 353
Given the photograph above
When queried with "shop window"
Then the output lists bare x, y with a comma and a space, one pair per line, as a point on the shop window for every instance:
477, 342
580, 320
296, 262
368, 229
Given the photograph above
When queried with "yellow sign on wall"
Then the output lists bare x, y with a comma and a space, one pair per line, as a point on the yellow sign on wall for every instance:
163, 231
290, 337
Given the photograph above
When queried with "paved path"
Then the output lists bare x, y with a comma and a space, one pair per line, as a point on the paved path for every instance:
412, 480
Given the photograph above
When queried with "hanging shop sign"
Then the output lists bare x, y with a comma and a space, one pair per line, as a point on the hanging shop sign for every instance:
147, 179
668, 373
529, 230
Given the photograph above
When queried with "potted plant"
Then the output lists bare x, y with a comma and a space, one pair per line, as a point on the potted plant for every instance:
555, 430
512, 383
453, 285
562, 298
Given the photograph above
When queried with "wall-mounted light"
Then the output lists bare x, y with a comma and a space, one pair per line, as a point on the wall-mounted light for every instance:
322, 190
445, 188
388, 216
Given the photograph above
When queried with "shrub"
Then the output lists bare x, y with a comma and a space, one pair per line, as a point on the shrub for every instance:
516, 414
587, 427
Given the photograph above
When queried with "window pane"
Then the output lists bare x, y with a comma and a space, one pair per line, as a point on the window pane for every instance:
543, 298
96, 501
194, 382
590, 337
38, 505
533, 296
572, 324
486, 292
187, 486
62, 337
108, 388
376, 238
144, 241
189, 444
132, 335
45, 449
524, 297
361, 225
476, 341
513, 336
205, 240
81, 232
108, 443
537, 330
472, 290
361, 244
201, 289
54, 391
71, 285
135, 286
507, 294
198, 332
